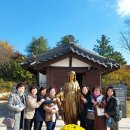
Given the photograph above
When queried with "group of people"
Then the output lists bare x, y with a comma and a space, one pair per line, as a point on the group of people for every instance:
73, 104
35, 108
104, 106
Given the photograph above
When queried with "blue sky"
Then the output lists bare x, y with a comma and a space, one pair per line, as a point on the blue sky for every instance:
87, 20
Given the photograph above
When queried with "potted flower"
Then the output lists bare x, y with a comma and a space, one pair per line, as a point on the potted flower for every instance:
72, 127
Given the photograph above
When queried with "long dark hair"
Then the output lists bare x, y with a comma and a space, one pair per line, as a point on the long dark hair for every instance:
113, 89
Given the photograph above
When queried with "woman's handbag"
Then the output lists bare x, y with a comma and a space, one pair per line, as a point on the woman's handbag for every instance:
90, 114
110, 122
9, 122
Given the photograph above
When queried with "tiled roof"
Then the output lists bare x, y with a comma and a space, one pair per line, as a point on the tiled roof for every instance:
75, 49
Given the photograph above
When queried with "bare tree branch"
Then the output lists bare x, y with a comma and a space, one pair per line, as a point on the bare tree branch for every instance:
126, 41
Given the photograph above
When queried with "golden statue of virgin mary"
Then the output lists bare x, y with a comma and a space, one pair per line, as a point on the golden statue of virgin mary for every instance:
71, 100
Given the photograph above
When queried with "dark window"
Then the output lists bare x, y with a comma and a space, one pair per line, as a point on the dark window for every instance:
80, 78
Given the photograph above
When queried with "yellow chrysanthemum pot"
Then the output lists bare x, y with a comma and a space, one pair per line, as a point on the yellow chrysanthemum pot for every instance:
72, 127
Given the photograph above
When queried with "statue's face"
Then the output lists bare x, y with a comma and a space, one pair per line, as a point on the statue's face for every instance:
71, 76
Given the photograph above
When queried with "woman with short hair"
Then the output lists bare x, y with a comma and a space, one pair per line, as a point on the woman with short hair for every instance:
99, 106
51, 110
16, 105
40, 112
32, 104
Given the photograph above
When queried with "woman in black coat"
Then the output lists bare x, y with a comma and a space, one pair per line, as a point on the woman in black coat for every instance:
113, 108
39, 116
87, 104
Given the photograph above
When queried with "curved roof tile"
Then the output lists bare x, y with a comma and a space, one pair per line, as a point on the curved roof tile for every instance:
73, 48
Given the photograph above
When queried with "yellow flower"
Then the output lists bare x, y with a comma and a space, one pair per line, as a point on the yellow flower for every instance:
72, 127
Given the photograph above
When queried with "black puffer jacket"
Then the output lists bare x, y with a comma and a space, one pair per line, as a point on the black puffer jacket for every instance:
113, 108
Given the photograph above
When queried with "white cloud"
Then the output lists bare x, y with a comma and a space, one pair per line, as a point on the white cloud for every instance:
123, 7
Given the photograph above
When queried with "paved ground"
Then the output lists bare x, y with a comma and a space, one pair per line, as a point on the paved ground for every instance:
124, 124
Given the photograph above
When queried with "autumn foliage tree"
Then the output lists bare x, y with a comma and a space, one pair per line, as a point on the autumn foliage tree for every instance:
10, 69
120, 76
6, 51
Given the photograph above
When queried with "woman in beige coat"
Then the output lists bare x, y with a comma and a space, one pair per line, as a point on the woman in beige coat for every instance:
31, 105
